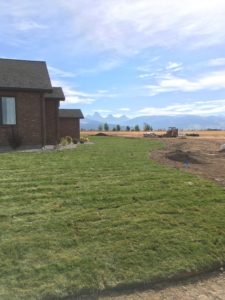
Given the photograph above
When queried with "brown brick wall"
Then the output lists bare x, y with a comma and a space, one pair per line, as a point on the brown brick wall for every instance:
51, 108
4, 131
69, 127
28, 118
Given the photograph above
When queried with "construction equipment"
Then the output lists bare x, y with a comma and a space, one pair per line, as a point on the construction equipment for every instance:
171, 132
150, 135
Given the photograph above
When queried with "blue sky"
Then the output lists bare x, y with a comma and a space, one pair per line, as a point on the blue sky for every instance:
133, 57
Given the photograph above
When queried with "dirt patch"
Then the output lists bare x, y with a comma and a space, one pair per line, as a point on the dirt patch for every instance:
185, 157
199, 156
101, 134
204, 289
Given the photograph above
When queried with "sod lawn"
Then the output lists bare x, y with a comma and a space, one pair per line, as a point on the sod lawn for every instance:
102, 215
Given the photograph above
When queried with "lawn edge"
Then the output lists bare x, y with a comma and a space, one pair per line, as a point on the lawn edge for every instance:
154, 284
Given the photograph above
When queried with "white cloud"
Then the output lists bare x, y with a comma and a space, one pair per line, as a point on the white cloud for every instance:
152, 71
171, 83
75, 96
54, 72
117, 115
72, 95
29, 25
103, 92
201, 108
103, 66
108, 65
156, 58
122, 27
174, 66
124, 109
145, 75
127, 28
217, 62
103, 111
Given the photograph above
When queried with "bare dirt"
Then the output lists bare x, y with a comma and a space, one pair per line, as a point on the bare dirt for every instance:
212, 288
201, 156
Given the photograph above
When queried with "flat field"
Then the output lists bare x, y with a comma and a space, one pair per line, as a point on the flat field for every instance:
102, 215
213, 134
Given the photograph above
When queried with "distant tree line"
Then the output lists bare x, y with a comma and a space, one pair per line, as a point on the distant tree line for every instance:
105, 127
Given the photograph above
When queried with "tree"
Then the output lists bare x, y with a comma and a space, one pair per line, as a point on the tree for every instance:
136, 128
106, 127
118, 127
147, 127
127, 128
100, 127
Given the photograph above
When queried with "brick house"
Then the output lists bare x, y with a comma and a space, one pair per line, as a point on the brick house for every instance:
52, 115
29, 105
69, 123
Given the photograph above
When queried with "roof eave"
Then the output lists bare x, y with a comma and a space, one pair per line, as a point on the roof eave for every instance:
18, 89
63, 117
55, 98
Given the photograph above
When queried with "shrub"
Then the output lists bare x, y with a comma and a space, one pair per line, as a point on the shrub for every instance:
63, 141
69, 139
75, 140
15, 139
66, 140
84, 139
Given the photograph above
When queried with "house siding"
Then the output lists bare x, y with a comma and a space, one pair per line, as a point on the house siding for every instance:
28, 118
69, 127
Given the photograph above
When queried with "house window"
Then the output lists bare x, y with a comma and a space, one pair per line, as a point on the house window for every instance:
7, 111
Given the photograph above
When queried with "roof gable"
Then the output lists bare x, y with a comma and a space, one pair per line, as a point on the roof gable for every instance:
71, 113
24, 75
56, 94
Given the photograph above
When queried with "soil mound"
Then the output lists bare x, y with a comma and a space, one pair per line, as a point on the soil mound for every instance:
101, 134
182, 156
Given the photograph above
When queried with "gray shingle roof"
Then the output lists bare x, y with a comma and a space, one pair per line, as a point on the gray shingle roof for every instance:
24, 75
57, 94
71, 113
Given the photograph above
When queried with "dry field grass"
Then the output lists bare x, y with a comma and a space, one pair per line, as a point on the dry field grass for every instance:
139, 134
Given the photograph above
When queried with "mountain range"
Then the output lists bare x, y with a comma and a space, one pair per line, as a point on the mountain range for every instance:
109, 119
157, 122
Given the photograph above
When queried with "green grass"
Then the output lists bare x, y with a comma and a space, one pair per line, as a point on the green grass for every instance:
102, 215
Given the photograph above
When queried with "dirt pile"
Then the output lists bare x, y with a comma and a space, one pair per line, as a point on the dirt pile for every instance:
101, 134
200, 156
183, 156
